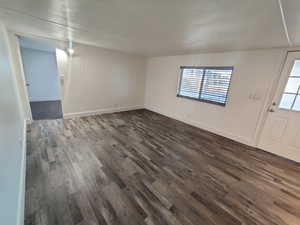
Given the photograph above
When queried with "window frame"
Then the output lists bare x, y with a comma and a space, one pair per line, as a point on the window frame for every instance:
283, 88
204, 68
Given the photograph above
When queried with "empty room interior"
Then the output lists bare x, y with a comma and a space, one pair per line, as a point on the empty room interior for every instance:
135, 112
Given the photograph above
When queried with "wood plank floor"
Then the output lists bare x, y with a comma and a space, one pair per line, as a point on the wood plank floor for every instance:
139, 167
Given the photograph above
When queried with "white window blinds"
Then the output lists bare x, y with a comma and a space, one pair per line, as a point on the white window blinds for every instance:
208, 84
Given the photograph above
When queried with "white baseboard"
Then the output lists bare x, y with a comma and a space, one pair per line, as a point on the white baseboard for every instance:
235, 137
194, 123
21, 197
101, 111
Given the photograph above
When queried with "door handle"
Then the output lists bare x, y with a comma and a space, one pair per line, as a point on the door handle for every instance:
271, 107
27, 84
271, 110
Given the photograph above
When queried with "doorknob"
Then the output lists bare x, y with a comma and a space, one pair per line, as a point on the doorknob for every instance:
27, 84
271, 107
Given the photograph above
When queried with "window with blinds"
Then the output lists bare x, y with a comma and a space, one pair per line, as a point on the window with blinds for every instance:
207, 84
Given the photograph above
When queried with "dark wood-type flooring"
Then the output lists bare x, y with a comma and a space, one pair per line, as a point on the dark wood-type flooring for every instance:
139, 167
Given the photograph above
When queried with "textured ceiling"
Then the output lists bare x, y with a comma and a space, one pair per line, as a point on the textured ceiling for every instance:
158, 27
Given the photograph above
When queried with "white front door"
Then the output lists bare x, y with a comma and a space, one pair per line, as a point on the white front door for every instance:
281, 132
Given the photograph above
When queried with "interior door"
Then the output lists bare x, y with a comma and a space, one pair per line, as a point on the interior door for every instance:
281, 132
41, 74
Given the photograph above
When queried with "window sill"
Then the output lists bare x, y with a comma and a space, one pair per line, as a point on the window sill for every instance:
202, 100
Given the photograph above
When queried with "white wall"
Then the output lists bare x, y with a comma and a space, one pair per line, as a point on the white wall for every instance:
101, 80
254, 72
41, 73
12, 140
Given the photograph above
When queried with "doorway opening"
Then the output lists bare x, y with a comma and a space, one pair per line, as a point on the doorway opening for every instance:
42, 77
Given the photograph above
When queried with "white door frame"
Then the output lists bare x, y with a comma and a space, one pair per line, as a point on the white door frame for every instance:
29, 117
268, 102
25, 104
277, 87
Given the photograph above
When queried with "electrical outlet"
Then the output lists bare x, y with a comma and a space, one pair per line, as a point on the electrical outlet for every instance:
254, 97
